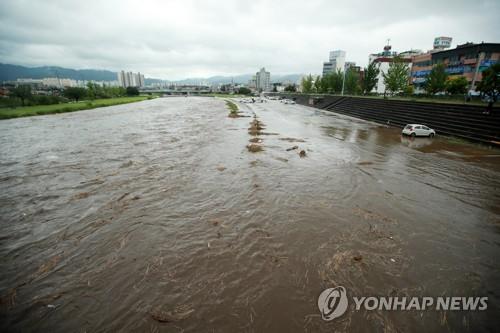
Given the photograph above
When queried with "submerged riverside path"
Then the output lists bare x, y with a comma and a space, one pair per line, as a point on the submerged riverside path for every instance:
154, 216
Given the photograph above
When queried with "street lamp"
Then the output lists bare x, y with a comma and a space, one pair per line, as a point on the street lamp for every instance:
343, 79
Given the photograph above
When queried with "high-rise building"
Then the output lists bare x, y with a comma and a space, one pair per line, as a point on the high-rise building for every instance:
129, 79
335, 63
263, 80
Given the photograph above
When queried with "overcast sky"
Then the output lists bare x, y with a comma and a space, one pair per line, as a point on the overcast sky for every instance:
199, 38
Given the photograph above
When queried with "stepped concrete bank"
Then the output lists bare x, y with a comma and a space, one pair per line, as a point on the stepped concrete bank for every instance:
463, 121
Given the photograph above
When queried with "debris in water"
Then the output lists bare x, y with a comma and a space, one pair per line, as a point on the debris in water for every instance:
255, 127
357, 258
393, 260
255, 140
177, 314
302, 153
48, 266
365, 163
292, 148
127, 164
123, 196
292, 140
254, 148
221, 168
81, 195
51, 306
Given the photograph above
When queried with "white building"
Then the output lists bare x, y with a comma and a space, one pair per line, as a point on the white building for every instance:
129, 79
263, 80
59, 83
384, 59
335, 63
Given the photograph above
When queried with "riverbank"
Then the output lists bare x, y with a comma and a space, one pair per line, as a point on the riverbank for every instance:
469, 122
38, 110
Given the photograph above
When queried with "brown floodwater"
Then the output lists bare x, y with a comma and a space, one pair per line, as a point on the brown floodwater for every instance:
156, 216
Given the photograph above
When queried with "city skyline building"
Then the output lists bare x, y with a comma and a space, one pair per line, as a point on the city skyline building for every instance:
384, 59
335, 62
263, 80
129, 79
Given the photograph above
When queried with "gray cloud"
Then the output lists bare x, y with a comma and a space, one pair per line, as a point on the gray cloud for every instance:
177, 39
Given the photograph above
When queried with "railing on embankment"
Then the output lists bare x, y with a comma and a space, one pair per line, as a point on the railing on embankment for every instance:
464, 121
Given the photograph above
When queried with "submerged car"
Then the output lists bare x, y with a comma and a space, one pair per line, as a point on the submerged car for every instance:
418, 130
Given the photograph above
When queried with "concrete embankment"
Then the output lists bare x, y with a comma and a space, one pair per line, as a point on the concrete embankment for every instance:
465, 121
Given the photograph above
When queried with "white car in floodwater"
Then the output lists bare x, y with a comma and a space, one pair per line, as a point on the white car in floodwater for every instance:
418, 130
287, 101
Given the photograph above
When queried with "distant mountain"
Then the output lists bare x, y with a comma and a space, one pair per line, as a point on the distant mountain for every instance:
13, 72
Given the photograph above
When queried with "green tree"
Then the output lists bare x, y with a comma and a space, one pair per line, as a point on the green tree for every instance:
370, 79
91, 91
332, 82
436, 80
75, 93
132, 91
23, 92
490, 84
244, 91
351, 85
396, 78
307, 84
317, 84
456, 86
291, 88
409, 90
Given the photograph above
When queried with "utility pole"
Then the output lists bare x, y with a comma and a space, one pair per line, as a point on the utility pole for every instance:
480, 57
343, 80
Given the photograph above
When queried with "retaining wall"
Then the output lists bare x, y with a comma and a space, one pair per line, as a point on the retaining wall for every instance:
465, 121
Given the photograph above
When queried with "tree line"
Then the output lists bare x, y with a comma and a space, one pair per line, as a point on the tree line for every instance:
397, 81
23, 95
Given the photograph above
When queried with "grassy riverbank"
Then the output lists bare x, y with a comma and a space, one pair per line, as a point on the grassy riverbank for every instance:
27, 111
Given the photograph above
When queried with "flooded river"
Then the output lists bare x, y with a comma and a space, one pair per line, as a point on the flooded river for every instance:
155, 217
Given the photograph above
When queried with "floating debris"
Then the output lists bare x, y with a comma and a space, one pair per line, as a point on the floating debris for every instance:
254, 148
292, 140
171, 316
81, 195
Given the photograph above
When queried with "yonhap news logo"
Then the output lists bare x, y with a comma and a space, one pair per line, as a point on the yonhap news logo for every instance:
333, 303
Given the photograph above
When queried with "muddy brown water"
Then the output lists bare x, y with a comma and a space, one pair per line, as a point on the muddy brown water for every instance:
112, 219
